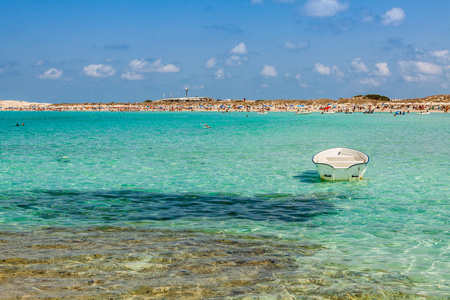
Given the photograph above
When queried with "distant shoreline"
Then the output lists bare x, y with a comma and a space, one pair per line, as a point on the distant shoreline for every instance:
438, 103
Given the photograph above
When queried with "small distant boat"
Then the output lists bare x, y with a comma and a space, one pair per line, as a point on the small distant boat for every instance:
262, 112
340, 164
328, 112
303, 112
424, 113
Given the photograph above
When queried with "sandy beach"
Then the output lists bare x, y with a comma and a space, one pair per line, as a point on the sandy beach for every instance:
437, 103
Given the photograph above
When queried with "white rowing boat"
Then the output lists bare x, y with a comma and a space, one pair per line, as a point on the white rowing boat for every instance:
340, 164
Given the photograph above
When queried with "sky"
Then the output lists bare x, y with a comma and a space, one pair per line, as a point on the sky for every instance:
77, 51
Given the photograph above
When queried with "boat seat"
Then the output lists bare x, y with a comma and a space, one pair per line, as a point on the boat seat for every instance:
344, 164
343, 161
342, 158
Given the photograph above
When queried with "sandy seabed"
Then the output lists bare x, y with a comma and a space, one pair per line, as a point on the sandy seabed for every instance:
129, 263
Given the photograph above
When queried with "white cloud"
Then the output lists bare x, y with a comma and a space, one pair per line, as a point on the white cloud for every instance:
326, 70
138, 65
442, 55
372, 81
39, 63
210, 63
324, 8
359, 66
300, 81
322, 69
335, 70
394, 17
51, 74
419, 70
220, 74
235, 60
264, 85
269, 71
295, 46
383, 69
367, 16
99, 70
132, 76
143, 66
428, 68
416, 78
158, 67
239, 49
447, 69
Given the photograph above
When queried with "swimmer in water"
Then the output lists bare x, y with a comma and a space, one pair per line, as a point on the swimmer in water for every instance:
206, 126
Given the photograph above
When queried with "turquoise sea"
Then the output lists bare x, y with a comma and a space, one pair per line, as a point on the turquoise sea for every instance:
152, 205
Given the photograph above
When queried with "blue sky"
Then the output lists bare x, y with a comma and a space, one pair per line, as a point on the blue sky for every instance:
134, 50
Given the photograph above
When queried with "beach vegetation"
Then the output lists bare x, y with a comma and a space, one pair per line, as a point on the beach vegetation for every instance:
148, 101
373, 97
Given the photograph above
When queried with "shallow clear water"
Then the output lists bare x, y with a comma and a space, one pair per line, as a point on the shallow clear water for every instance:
248, 177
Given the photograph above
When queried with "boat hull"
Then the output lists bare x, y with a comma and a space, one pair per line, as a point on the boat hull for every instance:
340, 164
327, 172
